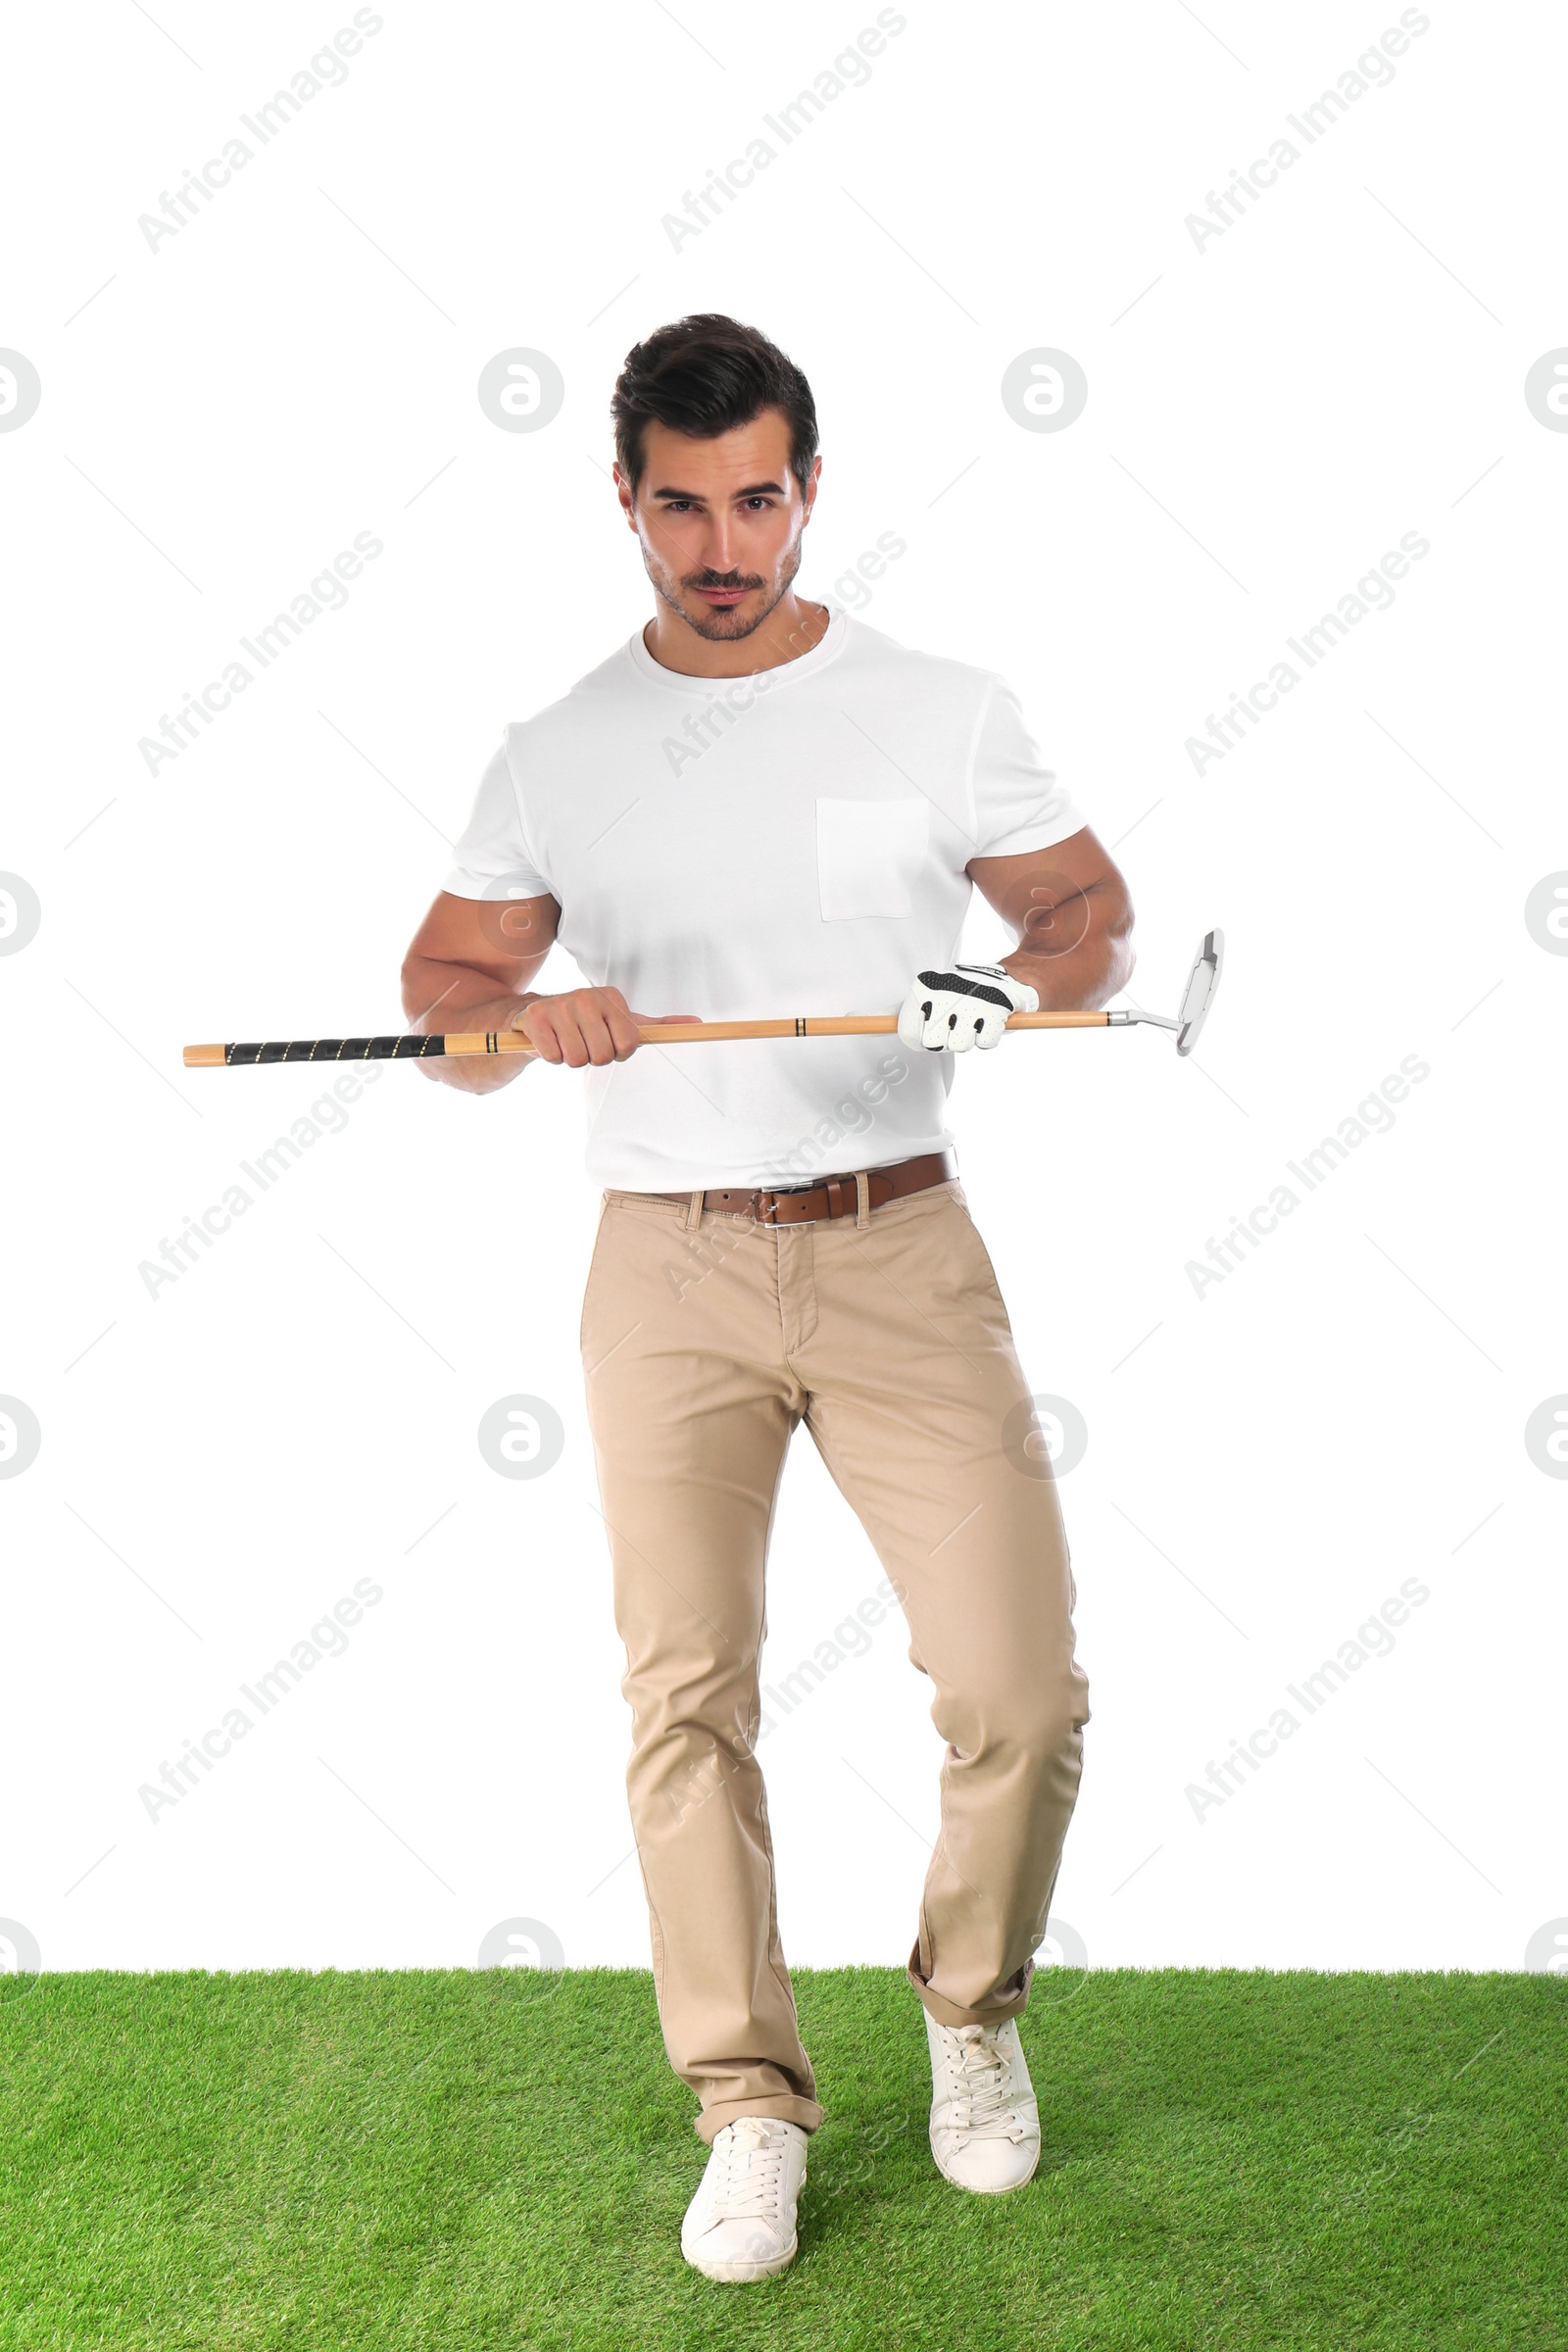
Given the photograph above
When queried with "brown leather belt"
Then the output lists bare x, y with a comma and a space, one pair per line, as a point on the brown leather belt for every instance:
831, 1195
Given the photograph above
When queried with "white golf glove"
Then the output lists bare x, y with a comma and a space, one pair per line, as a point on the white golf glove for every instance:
948, 1013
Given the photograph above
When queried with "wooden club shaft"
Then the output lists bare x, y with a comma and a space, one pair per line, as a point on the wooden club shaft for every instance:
512, 1041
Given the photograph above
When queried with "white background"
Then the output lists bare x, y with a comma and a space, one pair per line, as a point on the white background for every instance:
1267, 1462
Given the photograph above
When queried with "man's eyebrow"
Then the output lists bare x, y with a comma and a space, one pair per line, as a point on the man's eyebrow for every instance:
752, 490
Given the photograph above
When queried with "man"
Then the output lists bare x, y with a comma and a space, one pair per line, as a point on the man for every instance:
758, 808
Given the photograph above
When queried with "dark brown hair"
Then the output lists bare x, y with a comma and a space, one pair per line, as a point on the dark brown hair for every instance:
704, 375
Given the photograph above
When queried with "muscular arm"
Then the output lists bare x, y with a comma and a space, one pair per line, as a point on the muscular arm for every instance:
1071, 909
468, 967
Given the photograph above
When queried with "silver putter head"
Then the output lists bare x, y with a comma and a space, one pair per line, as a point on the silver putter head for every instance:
1199, 995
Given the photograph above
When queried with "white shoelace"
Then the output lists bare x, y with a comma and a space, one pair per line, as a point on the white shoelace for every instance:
983, 2076
749, 2184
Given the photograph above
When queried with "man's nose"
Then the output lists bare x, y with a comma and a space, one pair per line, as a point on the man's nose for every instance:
719, 549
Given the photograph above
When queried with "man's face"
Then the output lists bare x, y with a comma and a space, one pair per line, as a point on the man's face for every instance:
719, 522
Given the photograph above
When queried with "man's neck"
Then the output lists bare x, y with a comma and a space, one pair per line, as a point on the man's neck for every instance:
791, 629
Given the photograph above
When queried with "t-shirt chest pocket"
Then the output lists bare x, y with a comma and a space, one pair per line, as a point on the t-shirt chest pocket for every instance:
869, 855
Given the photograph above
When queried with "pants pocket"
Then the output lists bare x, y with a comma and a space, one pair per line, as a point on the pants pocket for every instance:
587, 1287
977, 1247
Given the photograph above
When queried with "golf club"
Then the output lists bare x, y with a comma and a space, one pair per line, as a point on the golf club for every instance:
1196, 997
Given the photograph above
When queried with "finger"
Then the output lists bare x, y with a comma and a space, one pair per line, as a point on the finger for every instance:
600, 1042
565, 1027
574, 1041
914, 1019
539, 1027
620, 1027
657, 1020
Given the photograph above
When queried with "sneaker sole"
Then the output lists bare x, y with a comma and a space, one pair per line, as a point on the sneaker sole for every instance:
744, 2274
1005, 2189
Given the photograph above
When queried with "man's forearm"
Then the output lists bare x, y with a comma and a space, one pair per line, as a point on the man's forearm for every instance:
438, 998
1083, 976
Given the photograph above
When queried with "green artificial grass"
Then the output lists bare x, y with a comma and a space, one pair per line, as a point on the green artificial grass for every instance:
502, 2158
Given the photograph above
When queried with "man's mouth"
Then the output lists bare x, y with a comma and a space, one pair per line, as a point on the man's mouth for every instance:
722, 596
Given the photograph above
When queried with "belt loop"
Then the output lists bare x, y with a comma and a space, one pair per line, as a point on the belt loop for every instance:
862, 1200
694, 1211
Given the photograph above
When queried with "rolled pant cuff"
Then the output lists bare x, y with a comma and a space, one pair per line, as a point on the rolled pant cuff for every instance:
990, 2012
784, 2104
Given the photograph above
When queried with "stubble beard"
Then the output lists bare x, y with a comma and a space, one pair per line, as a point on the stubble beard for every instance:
718, 626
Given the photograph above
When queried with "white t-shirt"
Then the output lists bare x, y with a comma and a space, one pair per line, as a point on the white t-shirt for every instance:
792, 842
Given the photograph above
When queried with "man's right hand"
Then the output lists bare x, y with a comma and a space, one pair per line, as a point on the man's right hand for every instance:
470, 967
584, 1025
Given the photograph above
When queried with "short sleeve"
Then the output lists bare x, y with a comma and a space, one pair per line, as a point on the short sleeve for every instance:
491, 857
1016, 802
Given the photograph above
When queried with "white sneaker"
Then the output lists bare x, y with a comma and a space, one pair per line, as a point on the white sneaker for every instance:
985, 2126
741, 2223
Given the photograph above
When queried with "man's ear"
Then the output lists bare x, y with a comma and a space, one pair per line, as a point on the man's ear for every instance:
628, 498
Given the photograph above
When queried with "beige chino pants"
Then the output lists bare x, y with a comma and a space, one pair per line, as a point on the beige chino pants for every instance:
705, 1339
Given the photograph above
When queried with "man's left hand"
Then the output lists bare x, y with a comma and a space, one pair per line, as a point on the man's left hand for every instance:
948, 1011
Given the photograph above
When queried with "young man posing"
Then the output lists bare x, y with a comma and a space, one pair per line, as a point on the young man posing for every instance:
758, 808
